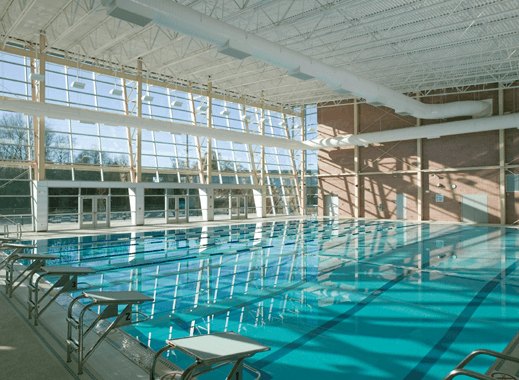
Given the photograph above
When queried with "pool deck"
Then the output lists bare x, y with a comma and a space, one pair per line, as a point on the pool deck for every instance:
54, 234
40, 352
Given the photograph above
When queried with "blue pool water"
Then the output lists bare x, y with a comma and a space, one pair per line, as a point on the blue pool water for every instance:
334, 299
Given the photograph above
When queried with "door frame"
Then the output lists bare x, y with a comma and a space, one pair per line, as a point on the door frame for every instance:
94, 223
177, 218
236, 210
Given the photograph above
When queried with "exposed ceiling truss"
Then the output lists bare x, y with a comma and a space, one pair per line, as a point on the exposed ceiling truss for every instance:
412, 46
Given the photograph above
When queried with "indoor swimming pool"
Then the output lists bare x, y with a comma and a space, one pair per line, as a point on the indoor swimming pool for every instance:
335, 299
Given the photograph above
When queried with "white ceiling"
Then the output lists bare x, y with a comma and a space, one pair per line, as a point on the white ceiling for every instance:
407, 45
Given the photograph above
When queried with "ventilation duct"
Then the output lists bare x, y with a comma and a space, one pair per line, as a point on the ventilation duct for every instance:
232, 49
432, 131
83, 115
176, 17
126, 11
87, 116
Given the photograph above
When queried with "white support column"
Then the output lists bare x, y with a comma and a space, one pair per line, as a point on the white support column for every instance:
207, 203
137, 205
40, 200
260, 200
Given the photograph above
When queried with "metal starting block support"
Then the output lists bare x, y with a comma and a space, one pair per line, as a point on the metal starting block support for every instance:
213, 351
4, 240
5, 245
112, 301
67, 282
38, 261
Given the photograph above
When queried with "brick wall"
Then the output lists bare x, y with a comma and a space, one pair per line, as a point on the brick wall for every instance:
470, 154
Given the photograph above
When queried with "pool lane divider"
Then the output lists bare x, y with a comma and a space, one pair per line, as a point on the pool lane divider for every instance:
344, 232
100, 269
435, 354
321, 329
258, 298
202, 246
184, 258
129, 239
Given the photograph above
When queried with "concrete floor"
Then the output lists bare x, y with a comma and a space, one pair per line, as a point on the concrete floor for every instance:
73, 231
24, 351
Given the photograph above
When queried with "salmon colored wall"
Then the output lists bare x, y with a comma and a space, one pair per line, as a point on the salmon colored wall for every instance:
344, 187
382, 189
470, 182
336, 166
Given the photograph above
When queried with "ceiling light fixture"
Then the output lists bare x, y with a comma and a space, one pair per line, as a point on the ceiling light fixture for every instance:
147, 97
77, 84
37, 77
115, 91
176, 102
202, 108
225, 111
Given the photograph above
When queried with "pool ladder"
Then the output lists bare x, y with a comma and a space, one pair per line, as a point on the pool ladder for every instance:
18, 234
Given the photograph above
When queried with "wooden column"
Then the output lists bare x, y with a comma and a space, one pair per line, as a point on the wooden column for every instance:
303, 163
197, 141
502, 169
294, 168
251, 151
356, 158
209, 155
263, 179
40, 141
138, 153
35, 122
133, 177
419, 174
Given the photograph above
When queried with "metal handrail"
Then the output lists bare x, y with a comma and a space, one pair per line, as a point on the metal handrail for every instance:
459, 370
18, 229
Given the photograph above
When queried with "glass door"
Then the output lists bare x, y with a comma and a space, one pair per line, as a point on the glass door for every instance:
242, 212
234, 207
177, 209
94, 212
171, 209
102, 212
86, 212
183, 209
